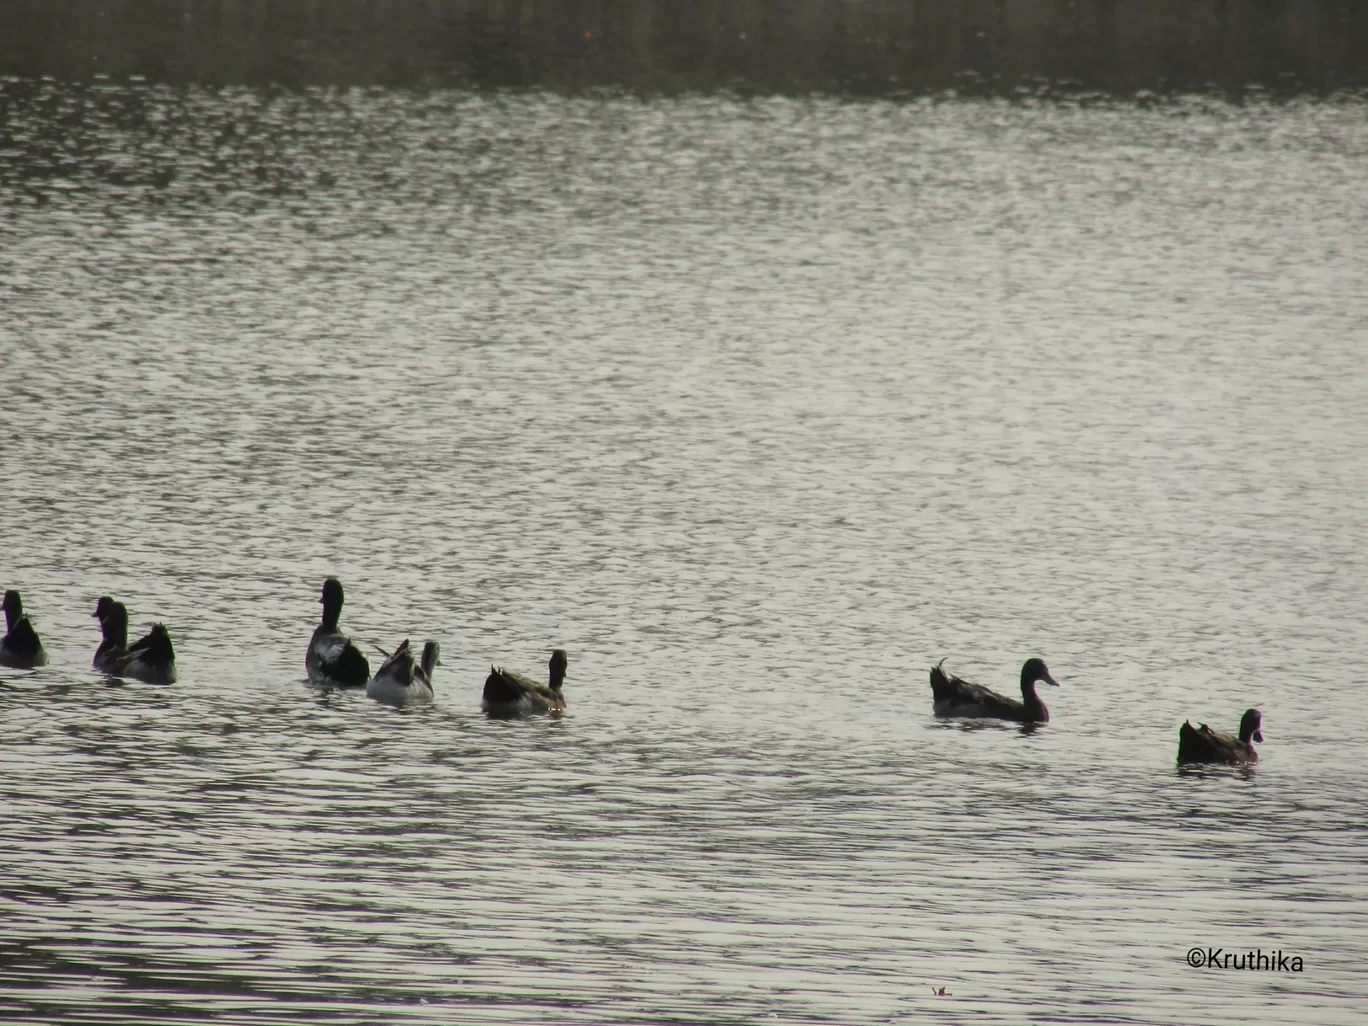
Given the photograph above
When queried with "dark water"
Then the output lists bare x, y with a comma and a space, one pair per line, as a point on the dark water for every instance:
849, 47
756, 407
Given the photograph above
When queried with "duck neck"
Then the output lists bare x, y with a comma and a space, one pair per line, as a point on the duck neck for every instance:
14, 611
1028, 693
557, 677
331, 612
115, 630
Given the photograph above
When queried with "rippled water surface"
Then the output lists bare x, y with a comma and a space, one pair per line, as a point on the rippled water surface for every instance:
758, 408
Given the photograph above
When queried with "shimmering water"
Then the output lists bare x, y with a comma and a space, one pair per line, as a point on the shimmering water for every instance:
758, 408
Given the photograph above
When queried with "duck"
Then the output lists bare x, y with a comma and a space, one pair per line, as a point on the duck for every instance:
401, 680
956, 697
508, 693
21, 647
1202, 744
150, 659
113, 617
332, 658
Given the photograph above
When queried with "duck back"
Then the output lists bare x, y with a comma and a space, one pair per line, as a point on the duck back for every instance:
151, 659
954, 696
400, 681
333, 659
508, 693
21, 648
1202, 744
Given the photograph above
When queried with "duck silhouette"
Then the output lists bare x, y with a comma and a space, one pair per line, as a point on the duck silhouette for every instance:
21, 647
1202, 744
508, 693
332, 658
953, 696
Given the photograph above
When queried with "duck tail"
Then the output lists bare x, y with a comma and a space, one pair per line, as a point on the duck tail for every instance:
1193, 745
351, 668
499, 688
940, 682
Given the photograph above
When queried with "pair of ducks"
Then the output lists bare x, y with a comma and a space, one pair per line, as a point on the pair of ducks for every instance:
151, 658
333, 659
956, 697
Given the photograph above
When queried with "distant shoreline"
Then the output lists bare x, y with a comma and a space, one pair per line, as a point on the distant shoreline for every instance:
842, 47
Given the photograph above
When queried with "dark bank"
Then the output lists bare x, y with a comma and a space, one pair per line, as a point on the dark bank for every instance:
853, 47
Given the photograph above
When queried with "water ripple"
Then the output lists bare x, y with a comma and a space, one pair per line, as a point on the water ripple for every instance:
758, 407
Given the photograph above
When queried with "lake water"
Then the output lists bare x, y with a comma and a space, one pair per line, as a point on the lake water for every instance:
757, 407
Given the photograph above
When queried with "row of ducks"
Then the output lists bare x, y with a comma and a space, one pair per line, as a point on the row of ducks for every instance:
334, 660
152, 658
953, 696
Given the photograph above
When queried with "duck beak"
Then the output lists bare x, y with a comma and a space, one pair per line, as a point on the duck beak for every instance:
1258, 736
1050, 680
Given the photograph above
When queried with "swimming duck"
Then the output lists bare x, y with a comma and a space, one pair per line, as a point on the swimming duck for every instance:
401, 681
332, 658
1202, 744
151, 658
113, 617
510, 693
20, 647
956, 697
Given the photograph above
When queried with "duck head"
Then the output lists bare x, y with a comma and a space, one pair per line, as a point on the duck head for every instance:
1035, 670
332, 601
559, 662
1251, 724
102, 605
432, 656
14, 608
